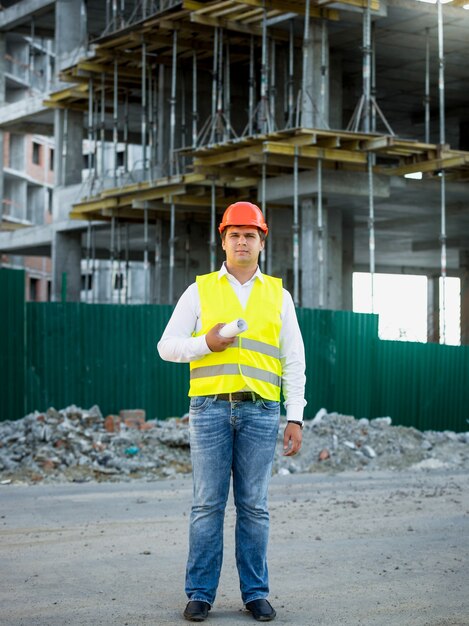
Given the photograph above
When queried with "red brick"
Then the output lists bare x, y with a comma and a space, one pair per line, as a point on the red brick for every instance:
48, 465
324, 454
112, 423
133, 418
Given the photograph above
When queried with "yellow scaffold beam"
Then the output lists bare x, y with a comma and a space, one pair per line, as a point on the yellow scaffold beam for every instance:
443, 163
313, 152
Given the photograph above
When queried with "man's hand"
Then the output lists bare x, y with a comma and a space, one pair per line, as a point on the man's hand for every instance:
215, 341
292, 439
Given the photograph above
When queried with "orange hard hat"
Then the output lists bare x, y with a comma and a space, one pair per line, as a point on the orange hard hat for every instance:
243, 214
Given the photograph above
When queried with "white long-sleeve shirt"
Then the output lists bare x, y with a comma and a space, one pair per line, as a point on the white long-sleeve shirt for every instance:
178, 345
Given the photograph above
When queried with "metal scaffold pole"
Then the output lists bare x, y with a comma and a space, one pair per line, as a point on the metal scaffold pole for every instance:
172, 119
146, 264
94, 266
172, 233
320, 224
182, 116
115, 119
264, 211
154, 127
158, 246
88, 282
291, 78
306, 44
112, 257
373, 78
172, 241
127, 264
114, 14
194, 99
90, 137
426, 100
370, 34
367, 67
367, 108
218, 125
213, 217
119, 267
126, 133
252, 83
64, 147
214, 83
273, 85
150, 123
227, 91
324, 74
371, 227
103, 127
441, 91
296, 230
220, 128
144, 109
265, 116
187, 253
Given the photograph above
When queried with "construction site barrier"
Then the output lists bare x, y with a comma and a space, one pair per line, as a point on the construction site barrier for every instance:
58, 354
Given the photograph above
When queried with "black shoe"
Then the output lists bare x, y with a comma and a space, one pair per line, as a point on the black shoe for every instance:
197, 611
261, 610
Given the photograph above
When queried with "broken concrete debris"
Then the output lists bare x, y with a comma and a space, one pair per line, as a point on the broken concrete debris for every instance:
74, 444
77, 444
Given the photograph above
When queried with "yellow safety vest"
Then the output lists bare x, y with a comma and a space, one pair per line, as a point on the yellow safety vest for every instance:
253, 360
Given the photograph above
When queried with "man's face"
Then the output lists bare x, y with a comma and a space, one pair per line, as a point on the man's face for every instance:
242, 245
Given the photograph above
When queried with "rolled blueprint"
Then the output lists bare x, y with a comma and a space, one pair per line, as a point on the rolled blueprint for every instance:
233, 328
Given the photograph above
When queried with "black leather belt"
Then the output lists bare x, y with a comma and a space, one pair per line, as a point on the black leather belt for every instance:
239, 396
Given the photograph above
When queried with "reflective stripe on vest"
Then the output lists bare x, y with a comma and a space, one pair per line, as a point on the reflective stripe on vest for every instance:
233, 368
252, 361
258, 346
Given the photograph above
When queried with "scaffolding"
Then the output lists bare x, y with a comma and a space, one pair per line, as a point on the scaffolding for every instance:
144, 62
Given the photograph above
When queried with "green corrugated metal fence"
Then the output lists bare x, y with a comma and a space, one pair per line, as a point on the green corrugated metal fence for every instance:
12, 344
422, 385
340, 350
106, 355
101, 354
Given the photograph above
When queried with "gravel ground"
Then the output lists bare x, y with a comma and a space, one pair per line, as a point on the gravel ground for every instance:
381, 548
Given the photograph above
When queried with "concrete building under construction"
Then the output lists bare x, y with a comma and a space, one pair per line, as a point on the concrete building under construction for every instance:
345, 121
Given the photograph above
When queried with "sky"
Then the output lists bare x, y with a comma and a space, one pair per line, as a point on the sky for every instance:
401, 303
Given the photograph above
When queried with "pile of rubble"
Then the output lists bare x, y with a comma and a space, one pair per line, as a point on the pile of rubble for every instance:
80, 445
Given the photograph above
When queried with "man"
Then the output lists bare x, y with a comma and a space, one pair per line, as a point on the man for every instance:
234, 410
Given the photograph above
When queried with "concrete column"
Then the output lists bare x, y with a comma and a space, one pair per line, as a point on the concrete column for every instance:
70, 24
70, 27
68, 136
315, 99
332, 282
464, 264
66, 258
433, 309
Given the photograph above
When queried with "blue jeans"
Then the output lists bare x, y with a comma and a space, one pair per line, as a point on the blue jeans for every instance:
227, 438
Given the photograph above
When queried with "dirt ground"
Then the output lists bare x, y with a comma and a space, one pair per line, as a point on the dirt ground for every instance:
363, 548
